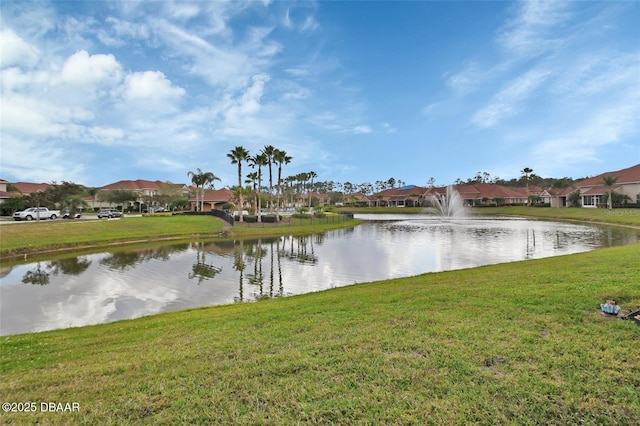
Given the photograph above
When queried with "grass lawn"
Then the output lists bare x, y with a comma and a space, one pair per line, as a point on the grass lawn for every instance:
615, 216
517, 343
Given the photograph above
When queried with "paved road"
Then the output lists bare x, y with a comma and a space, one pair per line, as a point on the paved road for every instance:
8, 220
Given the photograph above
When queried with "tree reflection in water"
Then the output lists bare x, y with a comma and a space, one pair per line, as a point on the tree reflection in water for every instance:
37, 276
201, 269
239, 265
122, 260
68, 266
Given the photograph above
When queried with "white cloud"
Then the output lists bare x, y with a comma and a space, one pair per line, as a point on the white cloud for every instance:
38, 117
597, 73
286, 20
309, 24
534, 29
466, 79
301, 71
509, 101
362, 130
249, 103
120, 31
82, 69
388, 128
36, 161
607, 125
150, 86
15, 51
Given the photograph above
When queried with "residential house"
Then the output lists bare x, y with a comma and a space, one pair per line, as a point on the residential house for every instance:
557, 197
22, 189
212, 199
405, 196
593, 189
481, 194
356, 199
145, 189
26, 188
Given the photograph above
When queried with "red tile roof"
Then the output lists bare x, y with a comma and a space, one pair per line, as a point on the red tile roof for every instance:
139, 184
628, 175
29, 188
216, 195
486, 190
600, 190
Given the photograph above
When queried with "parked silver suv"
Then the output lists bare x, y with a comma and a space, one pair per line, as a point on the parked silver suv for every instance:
109, 213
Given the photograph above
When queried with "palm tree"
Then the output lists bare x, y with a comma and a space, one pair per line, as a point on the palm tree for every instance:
200, 180
196, 179
288, 181
252, 178
259, 160
268, 152
281, 158
73, 202
207, 181
237, 156
310, 176
301, 179
609, 181
526, 172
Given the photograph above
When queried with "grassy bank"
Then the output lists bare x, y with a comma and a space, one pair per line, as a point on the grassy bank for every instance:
614, 217
20, 238
518, 343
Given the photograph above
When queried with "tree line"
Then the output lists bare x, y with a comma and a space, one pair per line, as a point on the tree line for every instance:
294, 189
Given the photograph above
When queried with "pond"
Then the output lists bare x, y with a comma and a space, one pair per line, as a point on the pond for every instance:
129, 283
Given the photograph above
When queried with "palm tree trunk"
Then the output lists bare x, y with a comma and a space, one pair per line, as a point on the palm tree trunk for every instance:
240, 200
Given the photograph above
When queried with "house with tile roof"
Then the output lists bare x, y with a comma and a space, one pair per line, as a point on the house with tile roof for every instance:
483, 194
212, 199
557, 197
357, 199
406, 196
592, 190
26, 188
145, 189
22, 189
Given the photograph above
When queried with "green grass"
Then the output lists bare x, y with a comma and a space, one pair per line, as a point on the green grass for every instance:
615, 216
29, 238
518, 343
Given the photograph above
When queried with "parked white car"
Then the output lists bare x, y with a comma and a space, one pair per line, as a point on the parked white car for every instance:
36, 213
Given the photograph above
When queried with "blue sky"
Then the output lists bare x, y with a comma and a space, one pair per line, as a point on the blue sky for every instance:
94, 92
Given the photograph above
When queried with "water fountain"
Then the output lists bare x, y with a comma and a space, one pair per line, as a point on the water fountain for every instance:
449, 204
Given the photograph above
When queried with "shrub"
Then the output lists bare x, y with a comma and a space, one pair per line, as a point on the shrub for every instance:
270, 218
163, 214
246, 218
301, 215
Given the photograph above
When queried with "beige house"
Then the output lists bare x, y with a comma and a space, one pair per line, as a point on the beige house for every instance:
23, 189
213, 199
593, 189
145, 189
